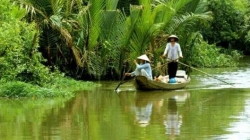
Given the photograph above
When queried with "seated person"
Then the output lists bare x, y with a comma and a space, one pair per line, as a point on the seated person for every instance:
143, 68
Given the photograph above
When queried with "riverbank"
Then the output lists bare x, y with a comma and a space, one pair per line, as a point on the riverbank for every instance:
62, 87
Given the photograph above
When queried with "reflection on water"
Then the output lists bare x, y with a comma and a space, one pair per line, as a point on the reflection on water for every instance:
104, 115
143, 110
239, 130
173, 120
166, 105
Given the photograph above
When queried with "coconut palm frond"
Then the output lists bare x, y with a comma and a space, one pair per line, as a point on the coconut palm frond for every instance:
166, 9
201, 7
55, 27
36, 9
103, 34
114, 38
56, 21
192, 6
95, 65
49, 37
94, 21
139, 37
183, 24
159, 13
57, 6
27, 6
188, 21
111, 4
77, 55
114, 35
135, 13
196, 6
156, 29
179, 4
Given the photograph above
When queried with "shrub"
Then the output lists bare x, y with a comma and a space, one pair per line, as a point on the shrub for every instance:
19, 56
202, 54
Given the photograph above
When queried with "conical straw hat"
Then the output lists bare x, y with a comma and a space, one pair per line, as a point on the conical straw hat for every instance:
144, 57
173, 36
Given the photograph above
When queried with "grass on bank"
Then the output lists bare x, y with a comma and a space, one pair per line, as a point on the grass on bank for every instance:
62, 87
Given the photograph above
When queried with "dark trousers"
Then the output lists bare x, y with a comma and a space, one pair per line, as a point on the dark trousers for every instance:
172, 69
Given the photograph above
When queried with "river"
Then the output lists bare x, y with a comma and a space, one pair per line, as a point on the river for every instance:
206, 109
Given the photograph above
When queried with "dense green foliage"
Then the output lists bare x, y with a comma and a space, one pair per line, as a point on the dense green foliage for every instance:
92, 39
247, 28
21, 72
94, 46
20, 59
228, 28
202, 54
63, 87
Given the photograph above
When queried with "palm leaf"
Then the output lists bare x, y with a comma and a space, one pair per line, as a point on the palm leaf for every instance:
48, 15
95, 20
111, 4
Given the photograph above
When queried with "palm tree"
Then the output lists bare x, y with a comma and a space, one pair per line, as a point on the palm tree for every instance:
96, 39
56, 22
83, 30
102, 38
156, 19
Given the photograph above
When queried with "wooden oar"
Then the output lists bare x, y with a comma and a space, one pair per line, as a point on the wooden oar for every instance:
131, 78
122, 81
205, 73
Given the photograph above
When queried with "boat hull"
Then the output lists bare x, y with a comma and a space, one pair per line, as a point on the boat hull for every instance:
142, 83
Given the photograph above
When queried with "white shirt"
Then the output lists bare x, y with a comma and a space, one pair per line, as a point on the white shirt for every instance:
173, 52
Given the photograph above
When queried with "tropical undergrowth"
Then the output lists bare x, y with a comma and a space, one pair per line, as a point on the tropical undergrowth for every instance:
63, 87
203, 54
22, 73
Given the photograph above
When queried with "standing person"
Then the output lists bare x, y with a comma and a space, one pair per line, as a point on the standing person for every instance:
143, 68
173, 53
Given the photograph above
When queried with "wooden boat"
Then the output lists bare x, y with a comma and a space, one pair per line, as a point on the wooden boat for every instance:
142, 83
